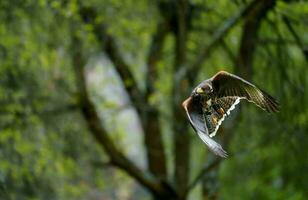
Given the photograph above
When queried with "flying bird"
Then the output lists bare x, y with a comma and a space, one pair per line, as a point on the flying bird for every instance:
213, 99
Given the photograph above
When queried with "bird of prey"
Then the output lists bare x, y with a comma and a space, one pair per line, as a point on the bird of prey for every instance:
214, 98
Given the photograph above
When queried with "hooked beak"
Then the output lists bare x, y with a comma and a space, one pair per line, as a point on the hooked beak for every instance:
200, 90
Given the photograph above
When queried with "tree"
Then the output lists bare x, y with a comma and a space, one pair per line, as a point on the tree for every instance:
180, 45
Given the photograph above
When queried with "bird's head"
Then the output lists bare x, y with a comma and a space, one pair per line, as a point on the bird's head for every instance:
202, 90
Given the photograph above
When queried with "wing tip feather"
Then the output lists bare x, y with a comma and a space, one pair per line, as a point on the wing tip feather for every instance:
220, 152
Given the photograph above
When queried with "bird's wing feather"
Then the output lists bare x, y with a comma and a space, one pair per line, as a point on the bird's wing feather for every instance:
227, 104
197, 122
226, 84
213, 146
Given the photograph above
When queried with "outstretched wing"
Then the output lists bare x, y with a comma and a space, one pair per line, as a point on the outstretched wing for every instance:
213, 146
226, 85
196, 120
225, 105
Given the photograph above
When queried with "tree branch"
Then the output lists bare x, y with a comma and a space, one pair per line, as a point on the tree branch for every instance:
154, 55
121, 67
148, 113
228, 51
180, 128
250, 37
109, 46
153, 137
217, 37
93, 121
303, 48
202, 173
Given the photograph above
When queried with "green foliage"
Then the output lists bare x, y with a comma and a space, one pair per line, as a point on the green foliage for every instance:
46, 150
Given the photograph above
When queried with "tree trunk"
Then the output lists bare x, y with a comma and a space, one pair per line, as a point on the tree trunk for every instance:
180, 91
243, 67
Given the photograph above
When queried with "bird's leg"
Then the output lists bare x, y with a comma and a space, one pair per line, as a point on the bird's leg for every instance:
211, 108
219, 110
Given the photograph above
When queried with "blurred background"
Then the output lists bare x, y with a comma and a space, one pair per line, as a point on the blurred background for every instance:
91, 92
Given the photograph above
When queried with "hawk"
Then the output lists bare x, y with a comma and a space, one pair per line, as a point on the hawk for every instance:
213, 99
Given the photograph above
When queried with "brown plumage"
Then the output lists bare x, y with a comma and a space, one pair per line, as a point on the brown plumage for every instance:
214, 98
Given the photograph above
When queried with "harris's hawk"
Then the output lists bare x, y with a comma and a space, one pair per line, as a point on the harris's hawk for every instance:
214, 98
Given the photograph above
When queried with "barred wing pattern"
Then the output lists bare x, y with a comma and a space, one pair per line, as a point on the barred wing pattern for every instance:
230, 85
225, 103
